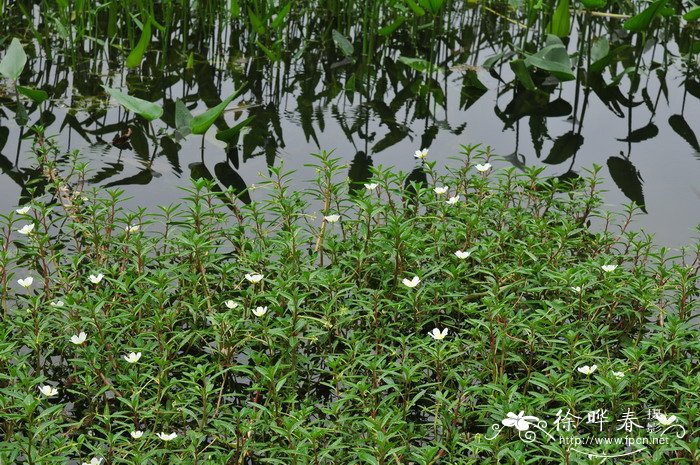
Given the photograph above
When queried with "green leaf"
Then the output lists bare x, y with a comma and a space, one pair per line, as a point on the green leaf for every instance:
200, 123
136, 56
415, 7
693, 14
37, 95
521, 72
419, 64
183, 116
561, 21
641, 21
343, 44
279, 19
390, 28
143, 108
594, 4
554, 59
227, 135
600, 54
14, 60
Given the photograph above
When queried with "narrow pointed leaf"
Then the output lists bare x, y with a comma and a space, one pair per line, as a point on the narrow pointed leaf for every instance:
683, 129
136, 56
641, 21
200, 123
561, 20
227, 135
37, 95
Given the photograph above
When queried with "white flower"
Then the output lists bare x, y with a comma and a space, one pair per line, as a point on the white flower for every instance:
23, 210
437, 334
609, 268
26, 282
421, 154
453, 200
412, 282
132, 228
587, 370
483, 168
26, 229
96, 279
132, 357
78, 339
332, 218
93, 461
576, 289
58, 303
520, 421
461, 254
166, 437
618, 374
230, 304
254, 278
665, 420
441, 190
371, 186
136, 434
48, 391
260, 311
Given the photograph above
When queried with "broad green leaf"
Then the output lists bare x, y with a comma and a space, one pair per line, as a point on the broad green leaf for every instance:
343, 44
693, 14
554, 59
227, 135
641, 21
183, 116
560, 23
36, 95
390, 28
521, 72
14, 60
144, 108
136, 56
419, 64
415, 7
200, 123
600, 54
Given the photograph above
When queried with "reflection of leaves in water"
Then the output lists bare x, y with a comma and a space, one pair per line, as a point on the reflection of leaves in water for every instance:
107, 171
526, 103
416, 179
644, 133
359, 172
229, 178
693, 88
538, 132
564, 148
627, 178
393, 137
4, 133
683, 129
141, 178
171, 150
472, 90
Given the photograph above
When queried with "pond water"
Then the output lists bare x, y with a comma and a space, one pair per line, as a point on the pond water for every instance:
372, 98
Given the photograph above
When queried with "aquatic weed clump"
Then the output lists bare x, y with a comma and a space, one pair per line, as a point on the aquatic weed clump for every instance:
430, 321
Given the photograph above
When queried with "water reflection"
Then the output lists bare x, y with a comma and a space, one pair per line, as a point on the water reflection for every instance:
453, 80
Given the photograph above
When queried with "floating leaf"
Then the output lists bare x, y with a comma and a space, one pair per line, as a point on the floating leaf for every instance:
37, 95
627, 178
343, 44
560, 23
564, 148
144, 108
641, 21
200, 123
683, 129
136, 56
14, 60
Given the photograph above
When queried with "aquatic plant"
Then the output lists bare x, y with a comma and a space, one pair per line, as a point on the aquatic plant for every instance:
223, 332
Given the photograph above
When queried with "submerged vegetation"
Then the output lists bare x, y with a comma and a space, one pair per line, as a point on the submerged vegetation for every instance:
401, 320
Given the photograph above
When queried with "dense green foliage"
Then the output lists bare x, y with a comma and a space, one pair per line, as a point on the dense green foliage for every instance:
341, 368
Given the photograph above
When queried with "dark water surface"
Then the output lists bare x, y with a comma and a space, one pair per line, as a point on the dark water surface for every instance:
373, 109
